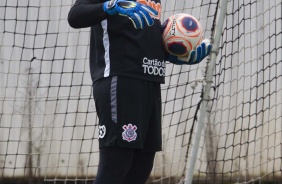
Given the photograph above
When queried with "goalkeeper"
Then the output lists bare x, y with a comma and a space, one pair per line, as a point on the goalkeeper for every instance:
127, 66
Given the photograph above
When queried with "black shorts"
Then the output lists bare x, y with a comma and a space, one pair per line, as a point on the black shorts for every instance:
129, 112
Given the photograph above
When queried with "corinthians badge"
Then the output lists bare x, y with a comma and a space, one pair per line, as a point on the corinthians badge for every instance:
129, 134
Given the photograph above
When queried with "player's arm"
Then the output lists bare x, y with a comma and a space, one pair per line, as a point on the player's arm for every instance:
139, 14
86, 13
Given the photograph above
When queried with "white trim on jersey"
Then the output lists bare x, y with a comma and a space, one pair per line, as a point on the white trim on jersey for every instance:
106, 47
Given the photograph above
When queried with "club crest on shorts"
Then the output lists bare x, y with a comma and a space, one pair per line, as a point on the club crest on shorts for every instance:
102, 131
129, 134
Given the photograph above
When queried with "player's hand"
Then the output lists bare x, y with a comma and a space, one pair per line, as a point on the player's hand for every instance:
138, 13
202, 51
176, 60
110, 6
195, 56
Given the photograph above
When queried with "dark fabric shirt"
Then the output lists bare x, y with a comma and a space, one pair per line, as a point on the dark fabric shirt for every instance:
116, 47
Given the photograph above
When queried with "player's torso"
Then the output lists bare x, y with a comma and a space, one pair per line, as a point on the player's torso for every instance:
118, 48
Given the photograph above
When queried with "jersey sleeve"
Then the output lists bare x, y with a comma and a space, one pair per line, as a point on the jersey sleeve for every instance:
86, 13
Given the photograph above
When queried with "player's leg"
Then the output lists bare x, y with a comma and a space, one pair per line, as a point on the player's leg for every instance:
125, 107
114, 161
114, 164
143, 160
141, 167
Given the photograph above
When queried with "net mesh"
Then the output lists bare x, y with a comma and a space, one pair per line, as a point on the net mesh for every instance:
48, 121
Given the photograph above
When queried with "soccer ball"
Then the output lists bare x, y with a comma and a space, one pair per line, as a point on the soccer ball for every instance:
181, 34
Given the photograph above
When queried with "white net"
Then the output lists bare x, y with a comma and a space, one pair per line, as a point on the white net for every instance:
48, 122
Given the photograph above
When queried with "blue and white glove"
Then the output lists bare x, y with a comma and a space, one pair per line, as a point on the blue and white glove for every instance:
138, 13
195, 56
109, 6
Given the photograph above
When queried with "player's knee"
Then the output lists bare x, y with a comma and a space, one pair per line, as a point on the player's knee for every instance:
113, 166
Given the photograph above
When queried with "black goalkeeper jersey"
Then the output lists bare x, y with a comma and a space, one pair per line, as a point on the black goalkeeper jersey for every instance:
116, 47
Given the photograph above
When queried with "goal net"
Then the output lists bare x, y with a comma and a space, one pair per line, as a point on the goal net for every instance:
48, 121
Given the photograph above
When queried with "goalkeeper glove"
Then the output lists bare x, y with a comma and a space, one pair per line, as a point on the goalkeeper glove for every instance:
109, 6
195, 56
138, 13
